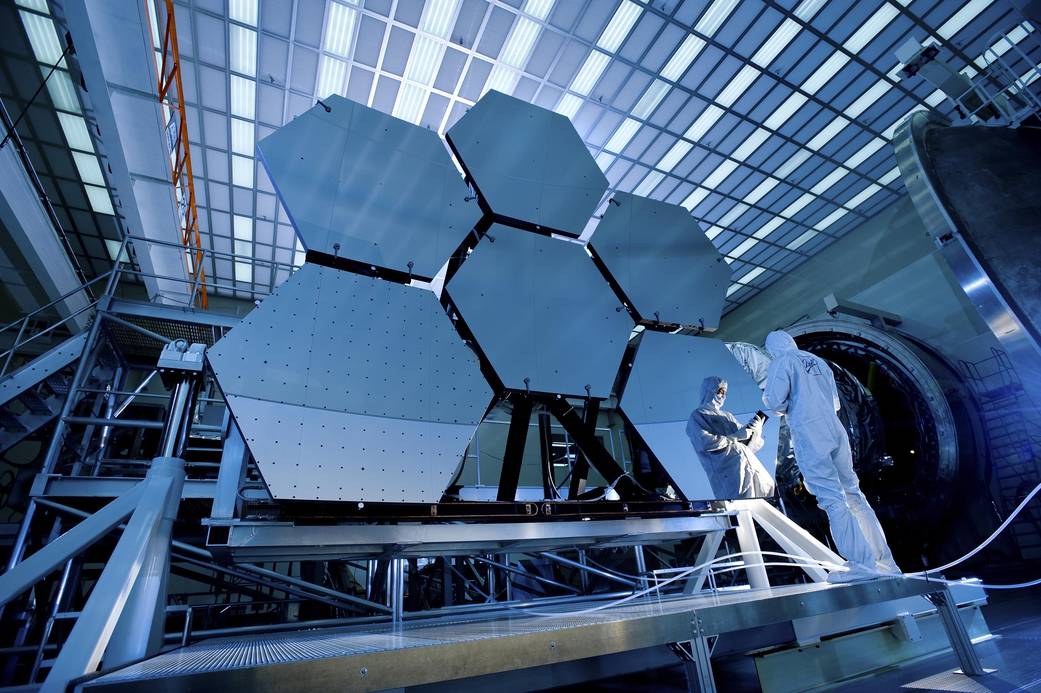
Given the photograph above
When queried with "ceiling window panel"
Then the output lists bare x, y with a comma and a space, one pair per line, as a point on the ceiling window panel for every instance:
244, 11
704, 122
243, 97
622, 135
695, 198
243, 50
332, 74
889, 177
99, 200
410, 102
785, 111
742, 248
569, 105
88, 168
520, 43
339, 29
682, 58
590, 72
649, 183
720, 174
714, 16
828, 133
960, 19
751, 143
737, 86
650, 99
424, 59
74, 128
828, 181
620, 25
866, 151
801, 240
761, 190
863, 196
825, 72
43, 38
539, 9
868, 98
674, 155
792, 163
62, 92
242, 171
871, 28
830, 219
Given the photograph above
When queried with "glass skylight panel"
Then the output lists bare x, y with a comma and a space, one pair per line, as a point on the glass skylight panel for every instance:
242, 136
114, 248
743, 248
871, 28
88, 168
864, 101
936, 98
502, 79
62, 93
695, 198
650, 99
891, 130
244, 11
243, 50
243, 272
569, 105
720, 174
962, 17
768, 228
865, 152
714, 16
75, 130
785, 111
862, 196
713, 231
828, 181
830, 219
674, 155
682, 58
339, 28
704, 122
751, 143
891, 176
241, 171
38, 5
42, 37
331, 76
242, 227
590, 72
733, 288
538, 8
424, 59
518, 46
793, 162
604, 160
751, 275
622, 135
620, 25
410, 102
243, 97
244, 248
827, 133
735, 211
776, 43
761, 190
99, 200
825, 72
649, 183
797, 206
737, 86
801, 240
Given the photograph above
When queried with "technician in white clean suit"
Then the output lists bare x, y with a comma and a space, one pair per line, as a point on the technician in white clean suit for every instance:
727, 449
802, 386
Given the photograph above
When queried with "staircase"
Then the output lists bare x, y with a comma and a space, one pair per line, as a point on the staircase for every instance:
32, 396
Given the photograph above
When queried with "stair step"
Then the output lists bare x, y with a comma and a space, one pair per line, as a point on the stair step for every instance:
34, 403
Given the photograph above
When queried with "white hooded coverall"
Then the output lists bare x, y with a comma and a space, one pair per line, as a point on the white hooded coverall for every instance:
733, 469
802, 386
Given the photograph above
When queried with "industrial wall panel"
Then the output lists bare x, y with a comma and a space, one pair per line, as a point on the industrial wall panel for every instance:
528, 163
662, 261
384, 190
340, 382
542, 313
663, 390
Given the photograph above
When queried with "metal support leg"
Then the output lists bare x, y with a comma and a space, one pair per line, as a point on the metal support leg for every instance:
397, 590
749, 543
142, 625
697, 665
709, 549
92, 633
229, 478
641, 566
512, 457
947, 608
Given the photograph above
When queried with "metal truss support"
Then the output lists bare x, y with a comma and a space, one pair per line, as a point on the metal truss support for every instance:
151, 502
748, 540
592, 448
792, 538
513, 456
696, 655
232, 469
708, 550
549, 483
580, 470
959, 638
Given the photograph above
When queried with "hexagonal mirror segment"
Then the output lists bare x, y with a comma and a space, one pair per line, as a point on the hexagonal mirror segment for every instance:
541, 313
664, 389
662, 261
364, 186
350, 388
530, 167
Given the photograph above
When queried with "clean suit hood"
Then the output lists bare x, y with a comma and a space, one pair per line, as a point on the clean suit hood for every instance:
708, 389
778, 342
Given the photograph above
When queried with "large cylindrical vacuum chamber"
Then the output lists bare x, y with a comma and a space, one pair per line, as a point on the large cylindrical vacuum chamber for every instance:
918, 447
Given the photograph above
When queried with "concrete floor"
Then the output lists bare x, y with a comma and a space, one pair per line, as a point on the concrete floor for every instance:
1015, 657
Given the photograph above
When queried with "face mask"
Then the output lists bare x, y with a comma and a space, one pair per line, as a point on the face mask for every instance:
719, 399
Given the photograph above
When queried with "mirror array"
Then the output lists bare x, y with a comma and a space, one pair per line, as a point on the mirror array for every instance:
352, 387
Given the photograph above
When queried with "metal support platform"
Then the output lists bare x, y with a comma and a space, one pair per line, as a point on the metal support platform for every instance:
389, 656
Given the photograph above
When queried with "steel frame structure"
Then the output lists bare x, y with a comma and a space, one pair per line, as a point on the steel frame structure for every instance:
271, 570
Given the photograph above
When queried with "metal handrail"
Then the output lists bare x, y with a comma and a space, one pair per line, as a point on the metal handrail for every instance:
61, 298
